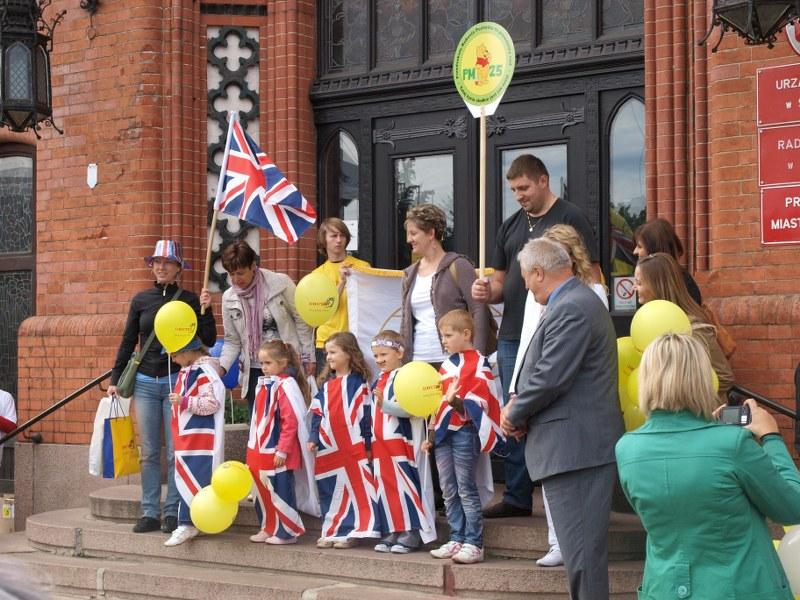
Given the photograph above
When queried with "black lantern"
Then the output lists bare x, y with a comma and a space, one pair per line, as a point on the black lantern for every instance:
25, 44
757, 21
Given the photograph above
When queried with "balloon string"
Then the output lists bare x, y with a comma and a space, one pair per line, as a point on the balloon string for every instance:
169, 369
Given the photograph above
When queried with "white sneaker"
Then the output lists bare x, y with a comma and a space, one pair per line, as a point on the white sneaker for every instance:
182, 534
448, 550
553, 558
277, 541
469, 554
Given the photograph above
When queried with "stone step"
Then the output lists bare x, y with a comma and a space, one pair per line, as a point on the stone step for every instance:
514, 537
73, 577
77, 532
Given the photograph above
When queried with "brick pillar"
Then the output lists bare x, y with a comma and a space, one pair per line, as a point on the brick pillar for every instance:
702, 169
287, 123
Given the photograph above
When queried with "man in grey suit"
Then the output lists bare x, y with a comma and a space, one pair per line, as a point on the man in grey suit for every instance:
567, 403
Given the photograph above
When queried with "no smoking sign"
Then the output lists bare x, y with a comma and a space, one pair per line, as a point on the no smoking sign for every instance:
624, 293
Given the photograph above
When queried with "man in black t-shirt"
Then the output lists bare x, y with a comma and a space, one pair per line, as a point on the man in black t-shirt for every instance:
540, 209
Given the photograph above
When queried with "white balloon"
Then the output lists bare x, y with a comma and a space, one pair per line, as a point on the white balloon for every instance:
789, 553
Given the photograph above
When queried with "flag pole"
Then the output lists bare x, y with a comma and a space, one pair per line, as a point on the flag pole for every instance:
482, 198
207, 271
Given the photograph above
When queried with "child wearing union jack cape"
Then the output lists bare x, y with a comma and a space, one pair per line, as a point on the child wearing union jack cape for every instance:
406, 513
198, 429
282, 467
341, 438
467, 428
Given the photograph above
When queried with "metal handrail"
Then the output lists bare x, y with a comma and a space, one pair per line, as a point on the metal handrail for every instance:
737, 394
32, 421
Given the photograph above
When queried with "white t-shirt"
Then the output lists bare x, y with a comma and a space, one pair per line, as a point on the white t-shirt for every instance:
533, 312
7, 411
427, 346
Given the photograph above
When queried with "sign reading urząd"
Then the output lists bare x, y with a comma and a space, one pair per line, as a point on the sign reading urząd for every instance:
483, 65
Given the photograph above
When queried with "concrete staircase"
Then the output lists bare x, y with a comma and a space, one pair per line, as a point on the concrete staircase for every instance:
92, 552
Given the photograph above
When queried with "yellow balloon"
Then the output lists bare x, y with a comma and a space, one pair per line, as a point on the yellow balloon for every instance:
633, 418
211, 514
628, 356
232, 481
316, 299
418, 388
175, 325
656, 318
714, 380
633, 388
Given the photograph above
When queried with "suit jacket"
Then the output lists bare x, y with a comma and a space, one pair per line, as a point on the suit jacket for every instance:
567, 386
702, 490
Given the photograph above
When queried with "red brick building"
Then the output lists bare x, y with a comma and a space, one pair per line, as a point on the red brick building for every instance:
354, 101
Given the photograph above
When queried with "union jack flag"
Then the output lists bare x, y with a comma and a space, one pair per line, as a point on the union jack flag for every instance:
344, 478
253, 189
476, 387
276, 506
198, 439
401, 505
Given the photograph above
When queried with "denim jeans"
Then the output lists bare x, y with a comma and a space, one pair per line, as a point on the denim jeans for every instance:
519, 487
456, 459
154, 414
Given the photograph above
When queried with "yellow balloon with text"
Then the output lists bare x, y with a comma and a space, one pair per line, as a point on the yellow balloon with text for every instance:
232, 481
418, 388
175, 325
316, 299
656, 318
210, 513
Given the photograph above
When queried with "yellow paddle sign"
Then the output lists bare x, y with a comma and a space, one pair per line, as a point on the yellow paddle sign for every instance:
483, 65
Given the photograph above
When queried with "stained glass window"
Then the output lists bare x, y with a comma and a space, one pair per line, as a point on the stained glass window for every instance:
514, 15
398, 25
447, 22
16, 206
16, 298
619, 15
347, 28
565, 19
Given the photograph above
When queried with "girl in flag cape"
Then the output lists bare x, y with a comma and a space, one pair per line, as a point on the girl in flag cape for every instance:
198, 429
282, 467
467, 428
341, 438
406, 514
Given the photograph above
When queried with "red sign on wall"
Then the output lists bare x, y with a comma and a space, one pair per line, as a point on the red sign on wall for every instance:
780, 215
778, 95
779, 155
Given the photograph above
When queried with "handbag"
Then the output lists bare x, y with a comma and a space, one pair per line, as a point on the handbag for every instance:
725, 340
120, 453
127, 381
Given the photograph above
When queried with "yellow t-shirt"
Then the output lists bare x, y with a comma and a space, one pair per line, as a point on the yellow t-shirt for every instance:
338, 322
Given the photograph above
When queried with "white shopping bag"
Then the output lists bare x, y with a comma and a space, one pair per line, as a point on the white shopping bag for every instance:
96, 445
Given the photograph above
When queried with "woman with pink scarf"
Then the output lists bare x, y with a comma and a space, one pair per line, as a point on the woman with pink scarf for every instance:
258, 307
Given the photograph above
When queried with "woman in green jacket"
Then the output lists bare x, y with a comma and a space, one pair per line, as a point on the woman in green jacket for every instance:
703, 489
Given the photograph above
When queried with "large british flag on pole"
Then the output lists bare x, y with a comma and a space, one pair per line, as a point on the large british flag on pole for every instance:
253, 189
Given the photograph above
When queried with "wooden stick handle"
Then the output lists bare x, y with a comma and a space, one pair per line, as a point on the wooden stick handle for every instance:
482, 199
207, 271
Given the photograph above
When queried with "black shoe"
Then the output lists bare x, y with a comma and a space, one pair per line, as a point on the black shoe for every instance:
145, 524
503, 509
169, 524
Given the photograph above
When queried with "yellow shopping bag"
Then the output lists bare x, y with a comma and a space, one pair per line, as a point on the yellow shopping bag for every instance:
120, 454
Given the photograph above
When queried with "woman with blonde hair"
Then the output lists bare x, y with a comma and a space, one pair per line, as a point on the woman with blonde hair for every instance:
704, 490
659, 277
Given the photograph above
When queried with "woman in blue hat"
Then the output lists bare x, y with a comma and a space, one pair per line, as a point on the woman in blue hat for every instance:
153, 386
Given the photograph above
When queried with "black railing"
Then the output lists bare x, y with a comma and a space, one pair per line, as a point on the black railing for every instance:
32, 421
738, 394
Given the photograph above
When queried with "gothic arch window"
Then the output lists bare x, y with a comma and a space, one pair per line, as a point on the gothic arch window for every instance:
627, 205
341, 195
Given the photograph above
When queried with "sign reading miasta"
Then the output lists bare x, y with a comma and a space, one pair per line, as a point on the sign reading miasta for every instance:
780, 215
